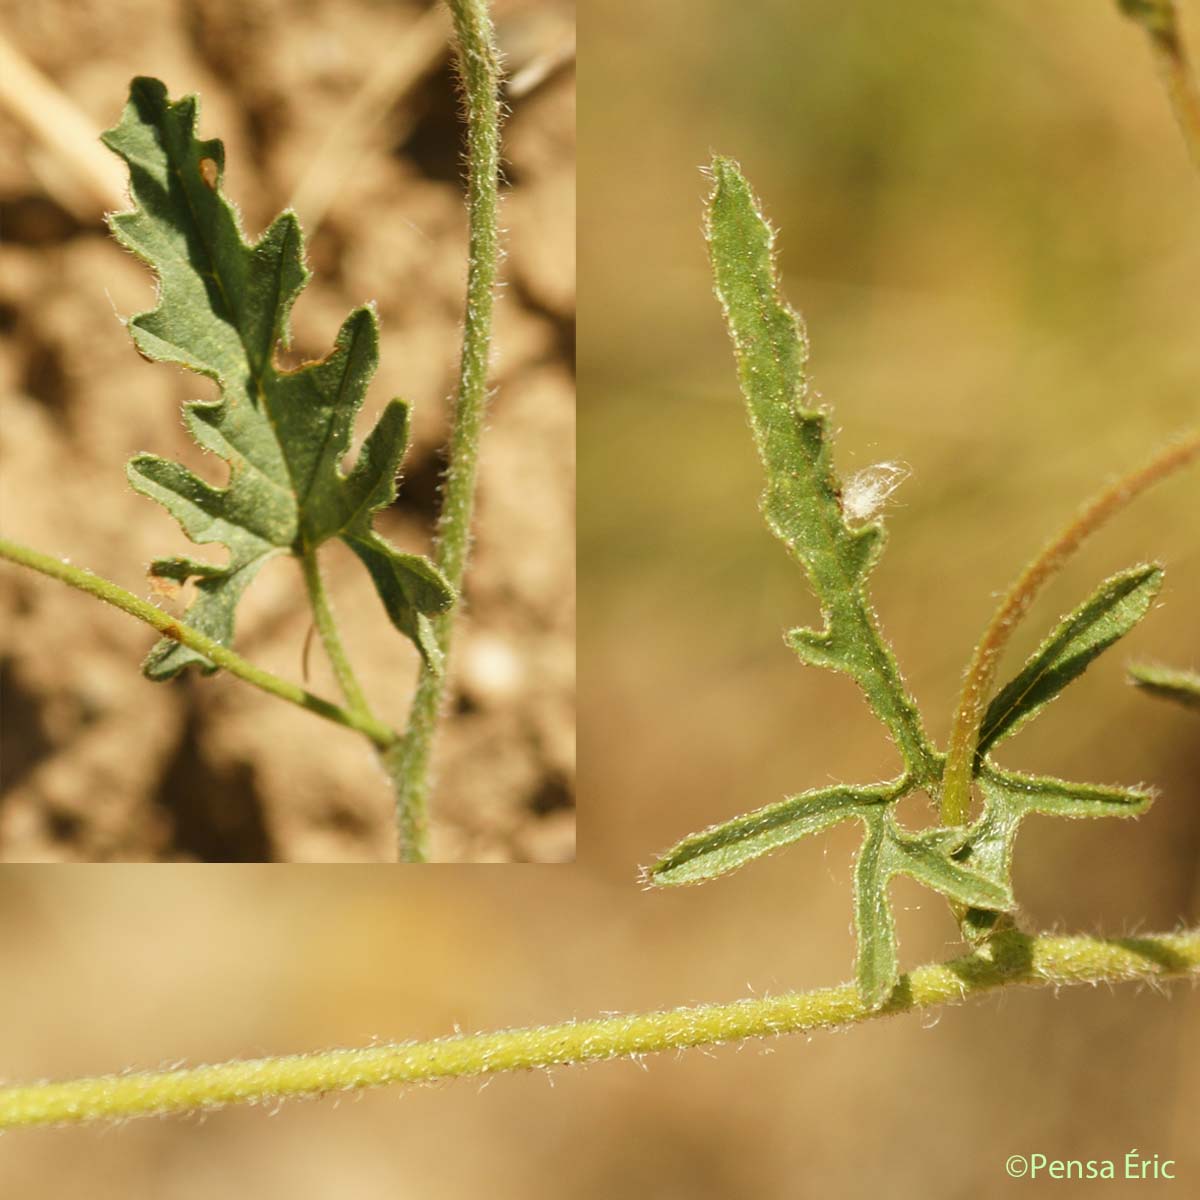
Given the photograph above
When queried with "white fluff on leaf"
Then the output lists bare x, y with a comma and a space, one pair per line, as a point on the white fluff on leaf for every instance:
866, 491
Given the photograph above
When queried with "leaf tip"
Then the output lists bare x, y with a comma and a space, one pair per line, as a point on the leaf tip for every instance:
663, 874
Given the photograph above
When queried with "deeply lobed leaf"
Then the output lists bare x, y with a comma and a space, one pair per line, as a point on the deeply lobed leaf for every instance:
222, 311
802, 503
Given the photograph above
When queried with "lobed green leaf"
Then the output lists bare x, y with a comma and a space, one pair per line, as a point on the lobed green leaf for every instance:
222, 311
802, 503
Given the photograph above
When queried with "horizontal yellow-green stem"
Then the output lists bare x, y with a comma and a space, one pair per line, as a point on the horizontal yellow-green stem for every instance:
1011, 959
172, 627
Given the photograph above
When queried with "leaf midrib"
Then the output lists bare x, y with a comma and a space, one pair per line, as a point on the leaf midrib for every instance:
259, 377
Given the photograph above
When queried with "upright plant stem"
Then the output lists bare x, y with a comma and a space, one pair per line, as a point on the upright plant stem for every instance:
409, 761
174, 628
330, 639
1012, 959
1160, 20
981, 673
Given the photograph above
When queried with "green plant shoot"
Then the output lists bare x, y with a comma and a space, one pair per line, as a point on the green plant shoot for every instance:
838, 544
222, 312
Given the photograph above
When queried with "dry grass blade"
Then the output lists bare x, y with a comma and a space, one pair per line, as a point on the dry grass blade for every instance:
417, 52
41, 108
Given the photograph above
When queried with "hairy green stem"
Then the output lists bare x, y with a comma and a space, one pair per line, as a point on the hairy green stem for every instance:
409, 761
172, 627
1010, 959
330, 638
1160, 20
981, 673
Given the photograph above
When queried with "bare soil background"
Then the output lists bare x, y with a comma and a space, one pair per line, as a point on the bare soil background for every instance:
96, 763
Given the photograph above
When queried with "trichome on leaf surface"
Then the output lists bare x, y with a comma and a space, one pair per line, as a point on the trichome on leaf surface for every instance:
968, 862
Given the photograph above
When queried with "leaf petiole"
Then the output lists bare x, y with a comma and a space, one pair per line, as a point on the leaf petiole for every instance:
327, 629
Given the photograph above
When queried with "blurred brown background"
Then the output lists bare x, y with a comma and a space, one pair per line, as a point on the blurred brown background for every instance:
993, 230
349, 111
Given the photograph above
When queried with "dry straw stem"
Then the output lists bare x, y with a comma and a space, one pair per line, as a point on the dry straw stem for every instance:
54, 120
401, 67
981, 673
1011, 959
